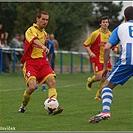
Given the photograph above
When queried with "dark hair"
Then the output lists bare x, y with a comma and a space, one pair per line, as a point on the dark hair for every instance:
103, 18
40, 13
128, 12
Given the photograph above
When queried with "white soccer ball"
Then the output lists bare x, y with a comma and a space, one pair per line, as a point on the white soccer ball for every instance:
51, 105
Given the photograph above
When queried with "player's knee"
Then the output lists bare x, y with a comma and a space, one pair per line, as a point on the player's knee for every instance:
32, 85
51, 82
98, 78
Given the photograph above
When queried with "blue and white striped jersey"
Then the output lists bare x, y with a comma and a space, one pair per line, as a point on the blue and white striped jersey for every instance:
123, 35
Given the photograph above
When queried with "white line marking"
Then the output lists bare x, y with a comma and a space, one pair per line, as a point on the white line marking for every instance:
65, 86
12, 89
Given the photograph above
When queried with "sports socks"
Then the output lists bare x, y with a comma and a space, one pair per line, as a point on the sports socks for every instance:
52, 93
98, 94
93, 79
26, 99
107, 97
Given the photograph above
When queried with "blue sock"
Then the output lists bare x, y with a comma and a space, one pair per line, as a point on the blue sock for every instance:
107, 97
43, 86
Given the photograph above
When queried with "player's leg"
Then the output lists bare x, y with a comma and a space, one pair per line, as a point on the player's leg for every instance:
98, 93
47, 75
94, 78
89, 82
51, 82
107, 97
119, 75
99, 77
44, 87
30, 72
27, 94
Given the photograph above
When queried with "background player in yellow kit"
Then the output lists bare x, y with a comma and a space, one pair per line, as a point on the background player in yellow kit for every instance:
94, 45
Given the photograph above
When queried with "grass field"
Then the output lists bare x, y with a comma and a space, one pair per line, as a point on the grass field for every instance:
79, 105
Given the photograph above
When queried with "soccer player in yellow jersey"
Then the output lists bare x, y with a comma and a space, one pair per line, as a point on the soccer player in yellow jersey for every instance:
36, 67
94, 45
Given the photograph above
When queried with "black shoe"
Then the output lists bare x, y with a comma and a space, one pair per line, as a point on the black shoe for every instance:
57, 112
22, 109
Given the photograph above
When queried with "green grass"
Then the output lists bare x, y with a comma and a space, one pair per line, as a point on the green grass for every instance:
79, 105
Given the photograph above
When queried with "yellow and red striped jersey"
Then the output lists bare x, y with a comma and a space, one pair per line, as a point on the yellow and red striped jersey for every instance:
97, 41
32, 51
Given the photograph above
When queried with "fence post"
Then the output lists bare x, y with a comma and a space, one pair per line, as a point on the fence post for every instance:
0, 61
14, 61
61, 62
71, 62
81, 62
91, 68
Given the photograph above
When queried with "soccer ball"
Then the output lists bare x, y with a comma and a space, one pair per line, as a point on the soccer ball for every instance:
51, 105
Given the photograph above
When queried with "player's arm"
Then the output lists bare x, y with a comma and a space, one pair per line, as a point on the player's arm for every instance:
56, 44
106, 57
89, 41
113, 41
37, 42
91, 54
115, 49
32, 38
50, 56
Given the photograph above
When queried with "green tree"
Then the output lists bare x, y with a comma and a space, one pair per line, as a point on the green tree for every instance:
108, 9
71, 19
67, 20
27, 15
8, 15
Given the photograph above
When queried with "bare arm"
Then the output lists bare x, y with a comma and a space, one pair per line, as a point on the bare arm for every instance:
56, 44
91, 54
106, 57
37, 42
115, 49
50, 56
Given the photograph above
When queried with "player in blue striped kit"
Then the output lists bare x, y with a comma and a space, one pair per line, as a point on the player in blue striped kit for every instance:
123, 69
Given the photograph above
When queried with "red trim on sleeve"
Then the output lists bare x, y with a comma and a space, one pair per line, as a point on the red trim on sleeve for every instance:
85, 45
36, 37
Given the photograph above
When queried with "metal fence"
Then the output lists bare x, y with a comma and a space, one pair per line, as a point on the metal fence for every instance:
59, 69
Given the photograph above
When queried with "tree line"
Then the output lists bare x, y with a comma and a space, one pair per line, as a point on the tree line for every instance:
68, 20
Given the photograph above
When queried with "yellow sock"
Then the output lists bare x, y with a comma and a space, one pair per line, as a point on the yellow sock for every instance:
52, 92
93, 79
26, 98
98, 94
